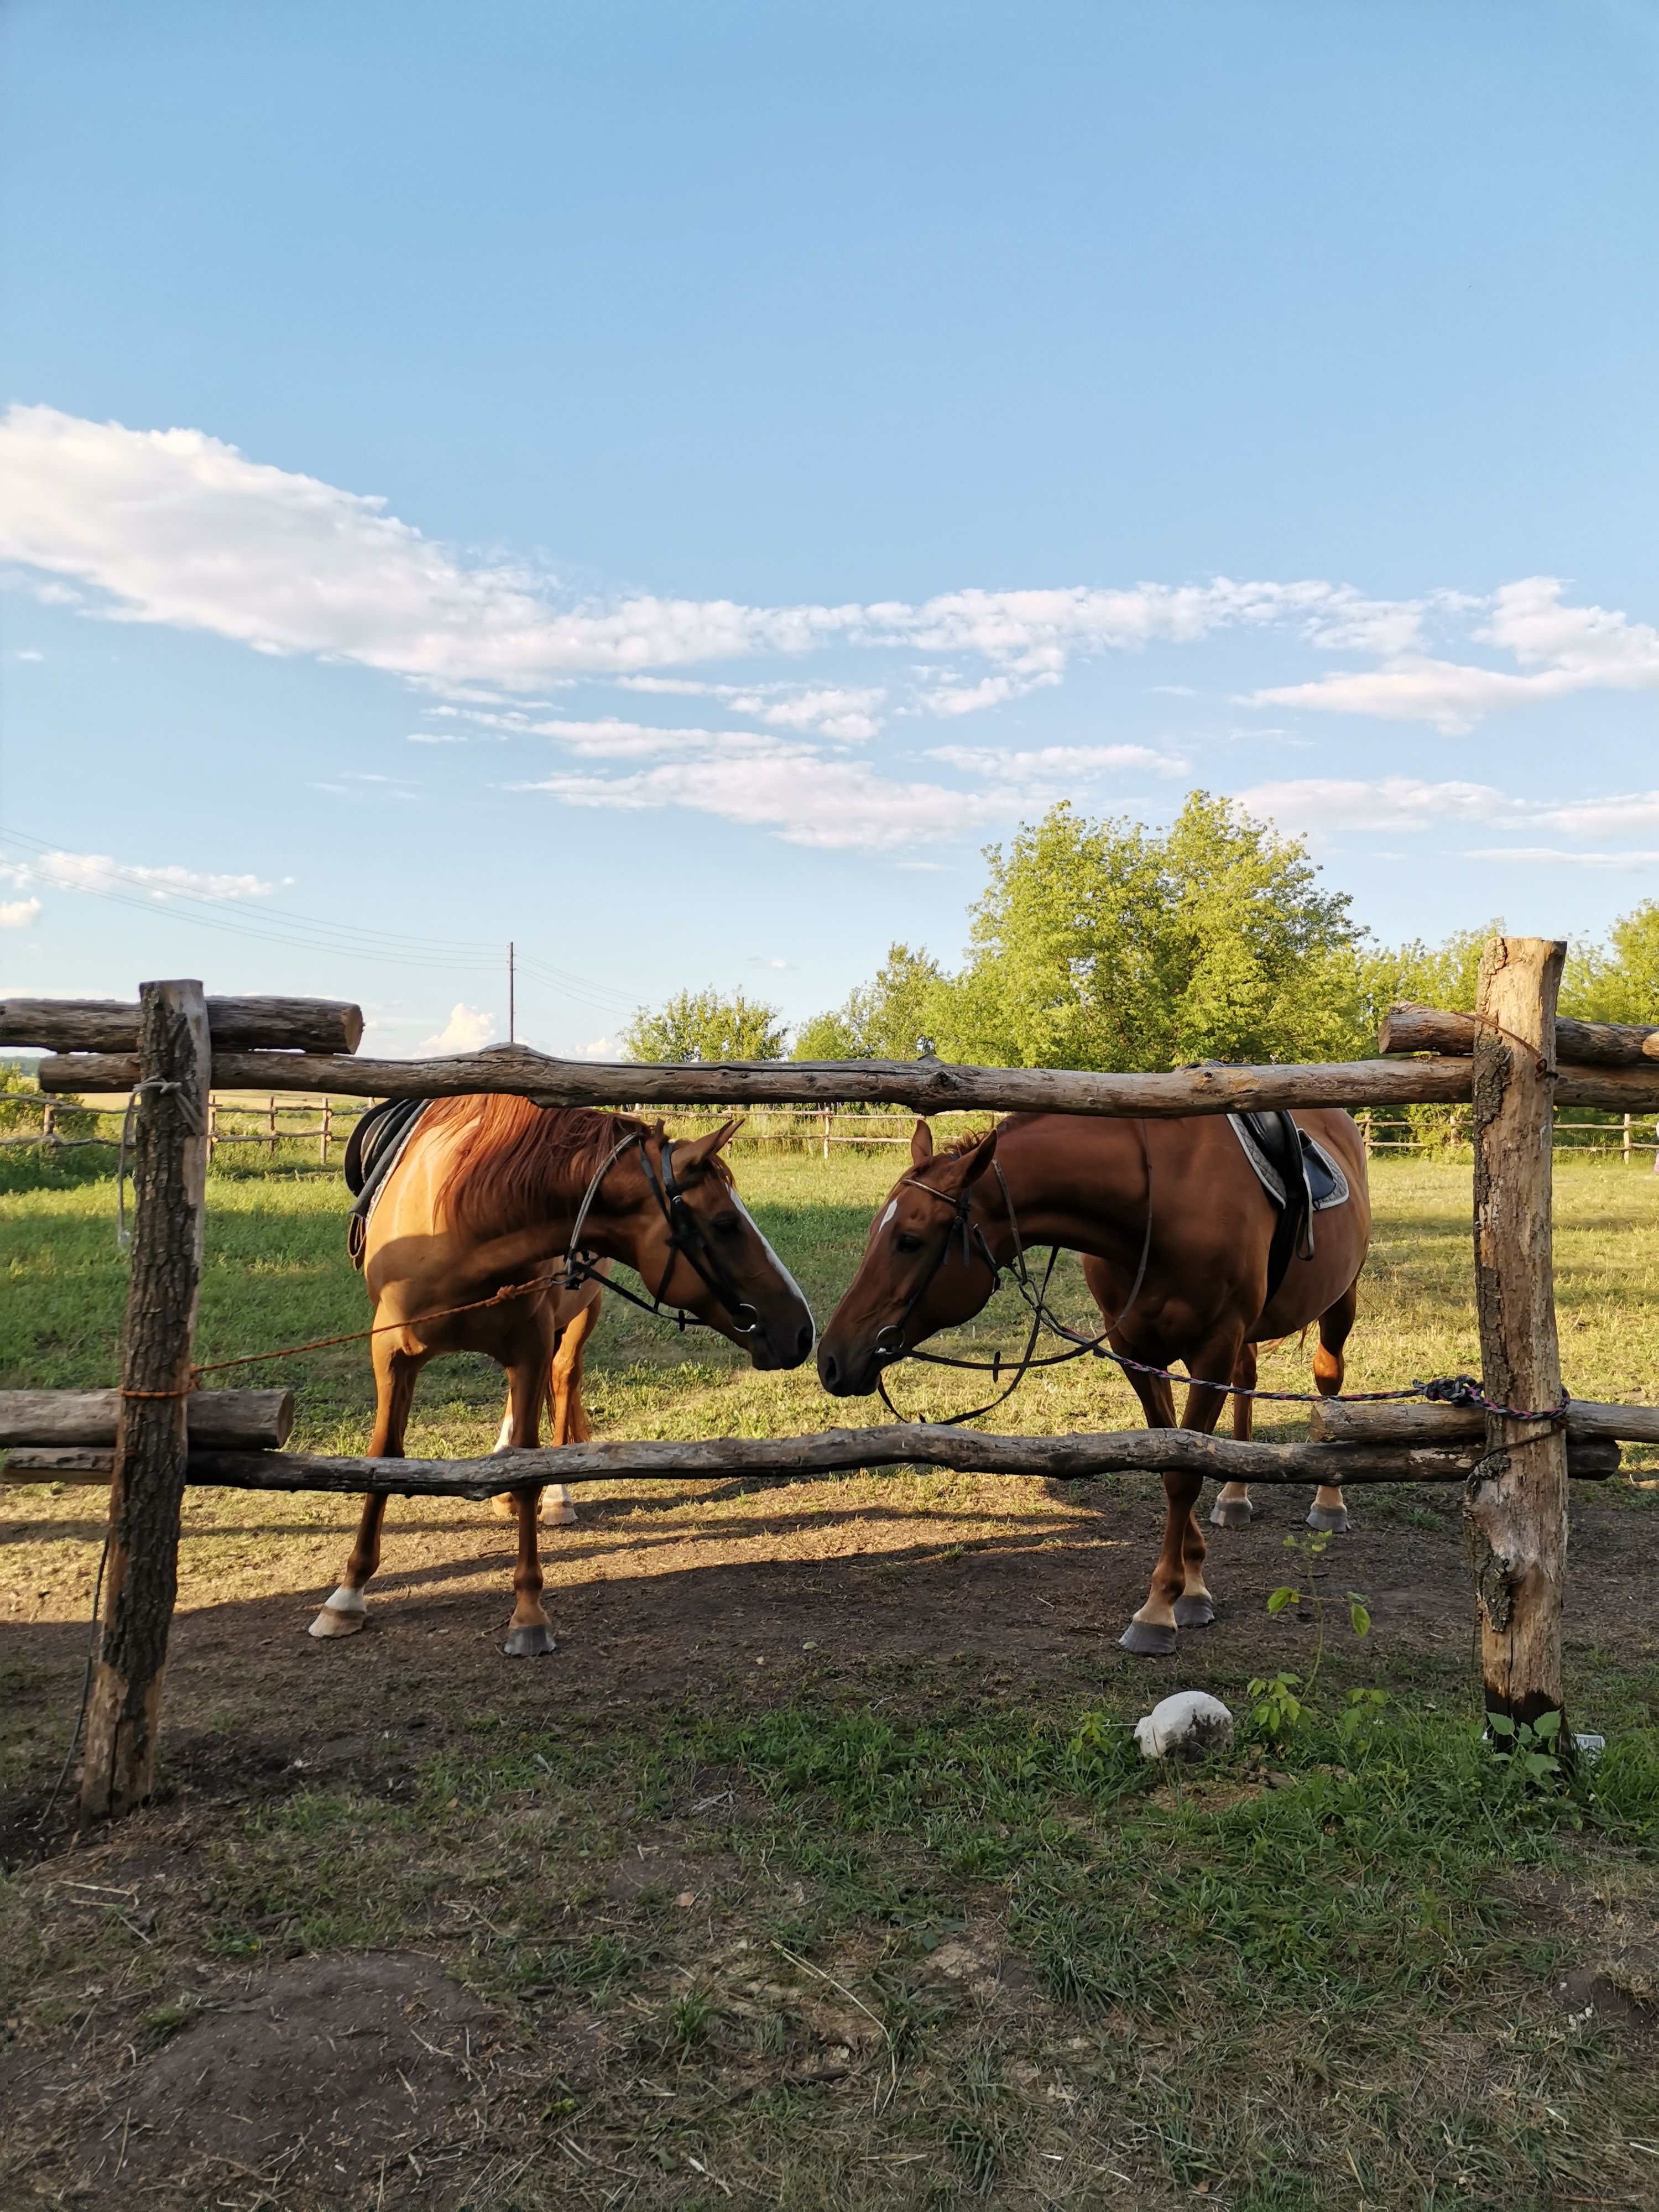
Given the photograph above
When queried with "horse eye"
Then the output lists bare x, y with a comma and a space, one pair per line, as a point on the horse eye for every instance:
904, 1242
723, 1225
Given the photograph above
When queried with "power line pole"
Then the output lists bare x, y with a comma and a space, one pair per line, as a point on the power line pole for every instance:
512, 984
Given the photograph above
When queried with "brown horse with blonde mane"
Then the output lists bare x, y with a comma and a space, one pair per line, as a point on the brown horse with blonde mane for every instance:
488, 1196
1175, 1231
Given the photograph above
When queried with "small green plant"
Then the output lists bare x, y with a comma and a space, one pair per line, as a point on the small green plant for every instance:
1275, 1708
1313, 1549
1534, 1746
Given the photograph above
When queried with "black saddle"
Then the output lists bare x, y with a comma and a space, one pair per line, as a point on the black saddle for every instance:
1298, 1176
372, 1149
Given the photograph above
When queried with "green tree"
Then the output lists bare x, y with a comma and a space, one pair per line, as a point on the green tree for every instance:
1618, 982
884, 1020
1109, 945
704, 1025
1429, 975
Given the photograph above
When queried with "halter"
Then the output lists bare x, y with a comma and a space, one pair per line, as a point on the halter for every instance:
686, 1241
1036, 1295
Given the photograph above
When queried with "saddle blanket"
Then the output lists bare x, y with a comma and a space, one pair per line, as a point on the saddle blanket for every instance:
1262, 1137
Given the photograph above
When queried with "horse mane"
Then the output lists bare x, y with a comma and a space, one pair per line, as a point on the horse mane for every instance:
515, 1161
970, 1138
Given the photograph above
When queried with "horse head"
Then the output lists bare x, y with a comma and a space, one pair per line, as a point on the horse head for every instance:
926, 1266
675, 1219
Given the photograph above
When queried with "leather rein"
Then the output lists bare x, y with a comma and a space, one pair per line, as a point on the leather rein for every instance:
890, 1347
686, 1241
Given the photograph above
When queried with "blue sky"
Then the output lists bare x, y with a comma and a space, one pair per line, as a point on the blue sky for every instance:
668, 485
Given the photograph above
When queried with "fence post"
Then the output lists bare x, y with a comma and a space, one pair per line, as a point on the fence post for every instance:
49, 1123
1627, 1147
1366, 1130
141, 1574
826, 1131
1516, 1501
271, 1124
327, 1131
213, 1128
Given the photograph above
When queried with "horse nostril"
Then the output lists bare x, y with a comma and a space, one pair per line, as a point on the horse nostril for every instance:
804, 1340
829, 1370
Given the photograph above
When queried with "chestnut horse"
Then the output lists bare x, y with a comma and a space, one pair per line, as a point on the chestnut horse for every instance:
489, 1192
1194, 1284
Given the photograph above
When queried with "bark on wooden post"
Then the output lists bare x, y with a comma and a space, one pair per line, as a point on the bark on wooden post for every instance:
151, 1449
1516, 1502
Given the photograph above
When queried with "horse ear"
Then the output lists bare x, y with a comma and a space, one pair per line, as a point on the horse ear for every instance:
699, 1151
980, 1158
921, 1144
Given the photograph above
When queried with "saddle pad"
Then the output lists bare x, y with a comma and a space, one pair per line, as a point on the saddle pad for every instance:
1327, 1187
375, 1147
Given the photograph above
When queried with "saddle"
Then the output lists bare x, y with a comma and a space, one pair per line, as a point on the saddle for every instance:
1299, 1176
372, 1149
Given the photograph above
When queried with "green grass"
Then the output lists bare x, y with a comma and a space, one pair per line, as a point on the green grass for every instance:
277, 1273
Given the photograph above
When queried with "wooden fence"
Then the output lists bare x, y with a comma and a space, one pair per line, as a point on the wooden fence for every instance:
175, 1046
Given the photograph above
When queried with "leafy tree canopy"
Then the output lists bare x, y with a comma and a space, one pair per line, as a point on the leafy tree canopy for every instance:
887, 1019
705, 1025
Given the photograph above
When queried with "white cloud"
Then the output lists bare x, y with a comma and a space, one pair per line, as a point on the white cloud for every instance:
466, 1030
18, 914
1545, 855
1397, 802
96, 871
174, 527
1047, 761
1603, 818
1559, 649
802, 797
846, 713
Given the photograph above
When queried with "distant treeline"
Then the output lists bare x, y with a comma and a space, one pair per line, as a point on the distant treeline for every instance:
1108, 944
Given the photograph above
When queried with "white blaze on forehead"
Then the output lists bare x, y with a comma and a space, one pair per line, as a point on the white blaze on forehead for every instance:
892, 1208
774, 1258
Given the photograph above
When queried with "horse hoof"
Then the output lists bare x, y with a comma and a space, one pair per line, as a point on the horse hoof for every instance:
1193, 1613
534, 1642
1148, 1639
560, 1516
343, 1614
503, 1506
1232, 1513
1329, 1520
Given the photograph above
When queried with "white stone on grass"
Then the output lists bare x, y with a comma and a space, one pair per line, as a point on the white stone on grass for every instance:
1186, 1726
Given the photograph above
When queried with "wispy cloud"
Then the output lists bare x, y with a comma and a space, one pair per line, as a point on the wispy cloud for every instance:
1392, 803
18, 914
96, 871
1558, 650
1550, 855
1044, 761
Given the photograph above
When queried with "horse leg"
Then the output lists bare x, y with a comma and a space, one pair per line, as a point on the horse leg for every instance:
1232, 1508
530, 1634
1178, 1597
395, 1376
504, 1504
1327, 1511
570, 1422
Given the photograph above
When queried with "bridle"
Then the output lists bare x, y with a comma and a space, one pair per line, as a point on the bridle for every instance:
890, 1348
686, 1241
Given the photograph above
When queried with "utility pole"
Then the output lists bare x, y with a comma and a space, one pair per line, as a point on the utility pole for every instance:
512, 982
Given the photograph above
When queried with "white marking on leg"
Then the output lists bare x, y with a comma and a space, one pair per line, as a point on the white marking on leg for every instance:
343, 1614
504, 1440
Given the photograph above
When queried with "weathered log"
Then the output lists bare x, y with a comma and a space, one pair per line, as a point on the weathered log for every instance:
151, 1451
1410, 1027
246, 1420
111, 1025
1516, 1509
1420, 1421
444, 1478
82, 1464
968, 1451
923, 1087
